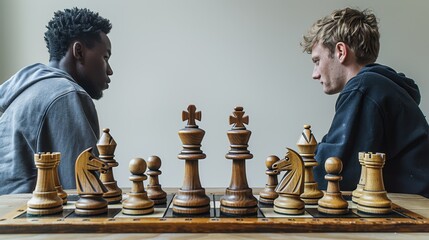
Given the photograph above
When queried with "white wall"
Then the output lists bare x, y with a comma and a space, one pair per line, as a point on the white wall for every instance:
216, 55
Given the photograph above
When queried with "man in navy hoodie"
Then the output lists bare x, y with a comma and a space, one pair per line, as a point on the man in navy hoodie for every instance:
49, 108
377, 108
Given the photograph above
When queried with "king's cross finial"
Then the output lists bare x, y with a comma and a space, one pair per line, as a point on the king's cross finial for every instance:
238, 119
191, 115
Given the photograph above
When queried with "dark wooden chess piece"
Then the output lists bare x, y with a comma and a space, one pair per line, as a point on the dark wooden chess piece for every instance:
306, 147
238, 198
374, 198
154, 190
106, 146
88, 185
333, 202
291, 186
45, 199
357, 193
191, 198
137, 202
268, 194
61, 193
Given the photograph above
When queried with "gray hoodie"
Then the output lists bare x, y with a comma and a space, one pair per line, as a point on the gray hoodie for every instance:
42, 109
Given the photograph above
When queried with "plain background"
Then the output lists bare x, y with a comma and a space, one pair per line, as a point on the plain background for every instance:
216, 55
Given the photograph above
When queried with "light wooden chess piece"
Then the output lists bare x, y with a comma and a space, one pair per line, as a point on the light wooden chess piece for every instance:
357, 193
238, 198
291, 186
191, 198
45, 199
106, 146
268, 194
154, 190
306, 147
374, 198
88, 185
61, 193
137, 202
333, 202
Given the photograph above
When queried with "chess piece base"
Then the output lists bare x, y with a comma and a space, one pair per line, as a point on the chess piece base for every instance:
47, 211
146, 211
191, 202
339, 211
91, 205
236, 202
159, 201
289, 204
374, 210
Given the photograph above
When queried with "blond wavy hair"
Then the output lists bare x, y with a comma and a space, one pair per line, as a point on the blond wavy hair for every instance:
358, 29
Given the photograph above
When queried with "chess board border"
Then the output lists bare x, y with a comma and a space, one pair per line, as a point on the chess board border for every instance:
12, 223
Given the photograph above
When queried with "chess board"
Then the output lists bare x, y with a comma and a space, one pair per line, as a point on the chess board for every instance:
163, 220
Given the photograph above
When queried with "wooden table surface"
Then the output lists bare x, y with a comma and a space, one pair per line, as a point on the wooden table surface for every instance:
415, 203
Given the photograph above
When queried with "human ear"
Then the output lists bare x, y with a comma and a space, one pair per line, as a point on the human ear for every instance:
78, 51
341, 51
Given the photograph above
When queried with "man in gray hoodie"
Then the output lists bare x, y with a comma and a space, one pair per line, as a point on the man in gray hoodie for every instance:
49, 108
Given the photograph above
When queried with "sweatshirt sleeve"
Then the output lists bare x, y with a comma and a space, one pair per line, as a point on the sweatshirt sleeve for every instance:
357, 127
70, 126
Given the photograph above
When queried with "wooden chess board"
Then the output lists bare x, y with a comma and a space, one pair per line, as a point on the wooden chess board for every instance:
163, 220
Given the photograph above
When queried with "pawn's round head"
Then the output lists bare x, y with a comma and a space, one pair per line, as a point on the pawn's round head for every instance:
137, 166
270, 161
333, 165
154, 163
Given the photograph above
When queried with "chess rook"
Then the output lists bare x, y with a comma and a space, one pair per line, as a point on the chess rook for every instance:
106, 146
154, 190
137, 202
61, 193
333, 202
357, 193
268, 194
191, 198
374, 198
45, 199
306, 147
238, 198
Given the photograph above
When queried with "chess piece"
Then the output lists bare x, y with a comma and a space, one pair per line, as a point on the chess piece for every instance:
106, 146
154, 190
191, 198
238, 198
268, 194
291, 186
45, 199
61, 193
306, 147
333, 202
88, 185
357, 193
374, 198
137, 202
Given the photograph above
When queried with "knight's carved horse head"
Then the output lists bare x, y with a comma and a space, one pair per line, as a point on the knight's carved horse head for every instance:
87, 180
293, 180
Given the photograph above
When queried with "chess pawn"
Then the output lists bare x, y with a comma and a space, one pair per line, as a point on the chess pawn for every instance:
374, 198
61, 193
306, 147
154, 191
137, 202
45, 199
106, 146
357, 193
268, 194
333, 202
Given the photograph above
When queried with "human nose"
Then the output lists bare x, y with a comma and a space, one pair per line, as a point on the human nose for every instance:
109, 70
316, 74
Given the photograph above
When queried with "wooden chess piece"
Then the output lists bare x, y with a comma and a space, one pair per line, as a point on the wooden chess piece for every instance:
291, 186
45, 199
154, 190
106, 146
191, 198
357, 193
306, 147
268, 194
61, 193
333, 202
374, 198
137, 202
238, 198
88, 185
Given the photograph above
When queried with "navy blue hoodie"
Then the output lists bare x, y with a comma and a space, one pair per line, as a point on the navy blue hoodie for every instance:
377, 111
42, 109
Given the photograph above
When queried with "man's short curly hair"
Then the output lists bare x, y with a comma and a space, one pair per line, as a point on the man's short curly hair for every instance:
73, 24
357, 29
